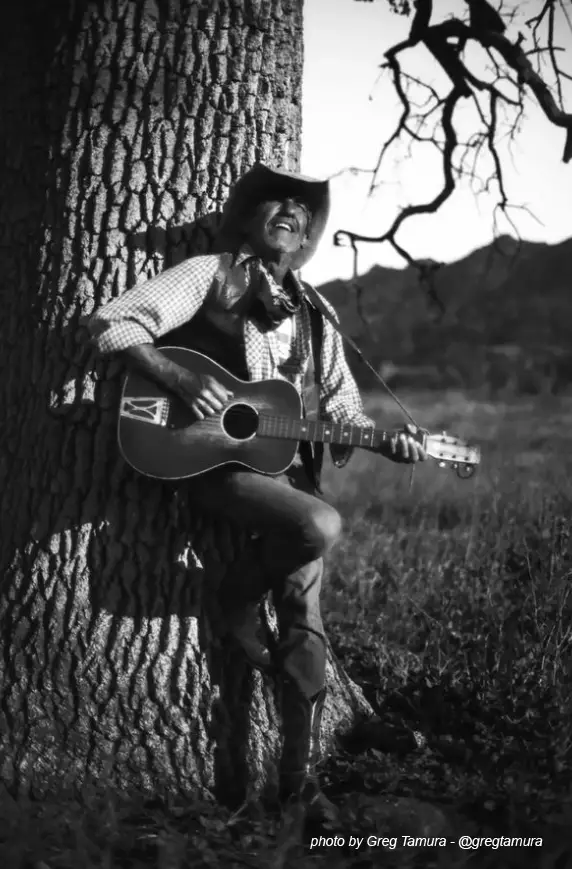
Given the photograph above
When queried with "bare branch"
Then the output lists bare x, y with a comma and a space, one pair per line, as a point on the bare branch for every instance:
351, 170
429, 119
426, 273
517, 60
421, 19
542, 48
552, 51
393, 64
491, 136
481, 85
566, 14
407, 77
431, 207
536, 20
485, 17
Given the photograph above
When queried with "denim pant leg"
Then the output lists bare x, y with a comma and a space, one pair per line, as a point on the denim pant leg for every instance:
296, 530
302, 643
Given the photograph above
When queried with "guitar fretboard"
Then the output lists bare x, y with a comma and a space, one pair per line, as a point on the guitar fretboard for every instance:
319, 431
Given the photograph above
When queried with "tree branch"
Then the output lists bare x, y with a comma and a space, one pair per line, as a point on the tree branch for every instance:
431, 207
511, 64
517, 60
426, 271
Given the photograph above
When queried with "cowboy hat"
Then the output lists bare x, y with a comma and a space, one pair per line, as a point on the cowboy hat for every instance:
257, 183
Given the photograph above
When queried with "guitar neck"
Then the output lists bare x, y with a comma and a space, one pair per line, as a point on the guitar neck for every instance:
319, 431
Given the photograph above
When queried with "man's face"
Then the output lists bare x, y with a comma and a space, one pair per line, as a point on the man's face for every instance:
278, 224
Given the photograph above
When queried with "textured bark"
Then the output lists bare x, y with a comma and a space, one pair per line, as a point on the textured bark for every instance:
123, 123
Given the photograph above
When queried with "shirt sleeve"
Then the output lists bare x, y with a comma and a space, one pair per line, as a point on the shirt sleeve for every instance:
340, 400
153, 308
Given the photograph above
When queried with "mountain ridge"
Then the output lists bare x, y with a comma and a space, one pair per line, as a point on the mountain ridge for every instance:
506, 320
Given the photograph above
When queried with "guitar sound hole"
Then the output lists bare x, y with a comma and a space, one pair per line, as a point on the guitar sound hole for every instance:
240, 422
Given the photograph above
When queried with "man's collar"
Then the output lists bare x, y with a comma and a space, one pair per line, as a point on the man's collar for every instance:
245, 253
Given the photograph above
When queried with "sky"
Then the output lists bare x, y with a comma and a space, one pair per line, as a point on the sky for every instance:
350, 107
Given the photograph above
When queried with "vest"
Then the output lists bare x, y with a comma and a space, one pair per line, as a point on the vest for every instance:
217, 330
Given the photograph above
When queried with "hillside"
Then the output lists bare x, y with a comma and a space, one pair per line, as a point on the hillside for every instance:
507, 319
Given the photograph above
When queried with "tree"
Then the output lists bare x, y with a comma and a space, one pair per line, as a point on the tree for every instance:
512, 69
124, 124
127, 122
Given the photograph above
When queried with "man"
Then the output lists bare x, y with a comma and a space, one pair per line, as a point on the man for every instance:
246, 309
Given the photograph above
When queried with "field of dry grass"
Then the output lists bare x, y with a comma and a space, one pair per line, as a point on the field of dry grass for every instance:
450, 605
454, 562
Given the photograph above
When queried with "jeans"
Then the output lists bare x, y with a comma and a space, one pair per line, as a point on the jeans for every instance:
297, 529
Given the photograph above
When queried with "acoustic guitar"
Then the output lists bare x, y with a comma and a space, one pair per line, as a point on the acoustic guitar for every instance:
260, 428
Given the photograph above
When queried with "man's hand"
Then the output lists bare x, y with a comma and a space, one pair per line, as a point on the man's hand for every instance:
403, 447
201, 392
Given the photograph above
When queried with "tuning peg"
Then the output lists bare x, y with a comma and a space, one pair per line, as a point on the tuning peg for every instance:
464, 472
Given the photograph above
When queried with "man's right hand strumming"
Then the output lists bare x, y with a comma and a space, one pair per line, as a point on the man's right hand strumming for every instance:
201, 392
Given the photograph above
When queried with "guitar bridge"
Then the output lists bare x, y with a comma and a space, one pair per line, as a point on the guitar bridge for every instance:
152, 410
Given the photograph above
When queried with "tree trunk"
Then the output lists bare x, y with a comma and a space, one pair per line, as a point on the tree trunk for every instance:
123, 123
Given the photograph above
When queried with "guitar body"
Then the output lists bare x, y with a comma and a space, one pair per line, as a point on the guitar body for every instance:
260, 428
160, 436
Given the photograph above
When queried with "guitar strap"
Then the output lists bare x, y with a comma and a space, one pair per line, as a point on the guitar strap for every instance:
315, 300
312, 455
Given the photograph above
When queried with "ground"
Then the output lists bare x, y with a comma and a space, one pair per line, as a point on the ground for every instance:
449, 603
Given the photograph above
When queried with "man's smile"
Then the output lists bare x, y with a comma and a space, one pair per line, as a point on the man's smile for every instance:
288, 223
278, 227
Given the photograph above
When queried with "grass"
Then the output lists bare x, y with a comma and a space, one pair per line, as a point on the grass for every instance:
450, 604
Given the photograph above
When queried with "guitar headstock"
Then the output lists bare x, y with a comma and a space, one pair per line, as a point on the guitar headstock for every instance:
451, 451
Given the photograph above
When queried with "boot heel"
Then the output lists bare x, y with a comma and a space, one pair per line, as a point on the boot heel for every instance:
301, 725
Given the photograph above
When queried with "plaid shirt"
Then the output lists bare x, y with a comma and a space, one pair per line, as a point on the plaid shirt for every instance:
170, 299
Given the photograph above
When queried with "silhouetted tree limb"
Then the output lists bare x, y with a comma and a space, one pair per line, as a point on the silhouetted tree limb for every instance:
517, 71
483, 16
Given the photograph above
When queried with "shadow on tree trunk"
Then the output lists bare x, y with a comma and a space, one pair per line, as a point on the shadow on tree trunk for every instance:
113, 667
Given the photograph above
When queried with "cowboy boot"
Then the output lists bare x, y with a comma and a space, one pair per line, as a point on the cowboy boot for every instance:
245, 627
301, 723
240, 596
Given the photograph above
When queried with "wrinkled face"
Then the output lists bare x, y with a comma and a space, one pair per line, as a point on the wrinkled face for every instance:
278, 224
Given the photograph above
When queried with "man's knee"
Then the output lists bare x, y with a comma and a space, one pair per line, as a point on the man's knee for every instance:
323, 528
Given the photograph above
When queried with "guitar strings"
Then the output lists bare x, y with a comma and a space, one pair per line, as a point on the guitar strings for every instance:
281, 424
286, 420
272, 420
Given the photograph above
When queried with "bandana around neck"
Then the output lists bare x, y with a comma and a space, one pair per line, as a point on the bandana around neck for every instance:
271, 303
